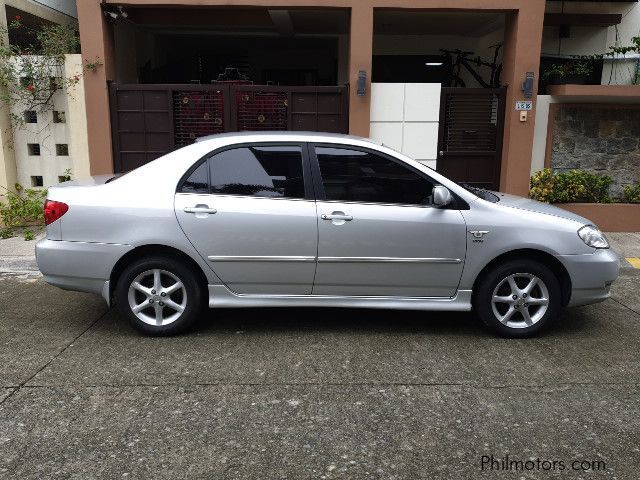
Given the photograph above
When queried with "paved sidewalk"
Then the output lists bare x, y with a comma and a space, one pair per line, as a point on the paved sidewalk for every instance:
627, 245
17, 255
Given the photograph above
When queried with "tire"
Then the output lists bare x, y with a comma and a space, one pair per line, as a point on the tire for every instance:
179, 307
529, 313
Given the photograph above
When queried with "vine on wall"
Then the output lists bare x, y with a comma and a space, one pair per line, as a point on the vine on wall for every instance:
31, 74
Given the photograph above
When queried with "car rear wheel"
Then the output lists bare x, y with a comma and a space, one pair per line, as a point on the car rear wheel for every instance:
159, 296
518, 298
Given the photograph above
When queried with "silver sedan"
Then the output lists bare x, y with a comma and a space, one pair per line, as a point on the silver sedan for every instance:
315, 220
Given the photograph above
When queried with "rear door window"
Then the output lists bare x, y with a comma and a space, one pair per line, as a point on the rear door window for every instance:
259, 171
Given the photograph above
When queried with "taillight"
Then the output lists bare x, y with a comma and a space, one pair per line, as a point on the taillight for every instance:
54, 210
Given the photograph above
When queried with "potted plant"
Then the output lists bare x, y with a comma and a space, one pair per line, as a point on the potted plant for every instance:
574, 72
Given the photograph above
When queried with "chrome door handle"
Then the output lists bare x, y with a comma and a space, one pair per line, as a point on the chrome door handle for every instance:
337, 216
200, 209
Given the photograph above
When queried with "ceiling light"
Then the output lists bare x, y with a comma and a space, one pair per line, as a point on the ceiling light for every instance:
433, 64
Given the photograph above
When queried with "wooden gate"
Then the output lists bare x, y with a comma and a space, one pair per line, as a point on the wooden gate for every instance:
470, 137
148, 121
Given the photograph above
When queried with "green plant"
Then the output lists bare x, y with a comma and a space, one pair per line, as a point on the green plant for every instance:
93, 65
23, 207
582, 68
632, 193
570, 186
6, 233
66, 176
622, 50
29, 235
31, 74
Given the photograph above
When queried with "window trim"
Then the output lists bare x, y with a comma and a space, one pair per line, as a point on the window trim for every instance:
306, 172
319, 186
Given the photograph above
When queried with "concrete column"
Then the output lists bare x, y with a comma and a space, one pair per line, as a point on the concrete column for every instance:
96, 37
360, 58
8, 172
77, 121
522, 44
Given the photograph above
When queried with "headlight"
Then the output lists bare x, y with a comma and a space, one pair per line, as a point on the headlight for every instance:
593, 237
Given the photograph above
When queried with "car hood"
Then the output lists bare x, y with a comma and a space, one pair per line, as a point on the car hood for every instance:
523, 203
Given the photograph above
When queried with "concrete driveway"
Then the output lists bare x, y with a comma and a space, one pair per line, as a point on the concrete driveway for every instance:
301, 394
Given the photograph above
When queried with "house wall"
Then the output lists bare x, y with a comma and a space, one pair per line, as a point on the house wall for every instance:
594, 40
51, 10
47, 134
7, 158
405, 117
431, 45
544, 108
62, 6
48, 10
522, 33
604, 139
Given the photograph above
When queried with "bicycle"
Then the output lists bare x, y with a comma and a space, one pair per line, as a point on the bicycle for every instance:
462, 60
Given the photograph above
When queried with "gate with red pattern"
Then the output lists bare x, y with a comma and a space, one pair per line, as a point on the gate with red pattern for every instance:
148, 121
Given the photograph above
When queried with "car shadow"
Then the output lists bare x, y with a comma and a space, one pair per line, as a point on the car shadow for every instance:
261, 320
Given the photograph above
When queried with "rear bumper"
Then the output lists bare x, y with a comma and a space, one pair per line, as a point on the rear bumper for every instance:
591, 275
80, 266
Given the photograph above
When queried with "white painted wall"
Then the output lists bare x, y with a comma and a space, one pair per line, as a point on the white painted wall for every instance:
47, 134
404, 116
540, 132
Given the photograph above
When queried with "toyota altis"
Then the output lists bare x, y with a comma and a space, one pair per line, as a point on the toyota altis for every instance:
315, 220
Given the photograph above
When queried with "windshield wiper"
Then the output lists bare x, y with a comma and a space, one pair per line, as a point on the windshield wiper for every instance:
483, 193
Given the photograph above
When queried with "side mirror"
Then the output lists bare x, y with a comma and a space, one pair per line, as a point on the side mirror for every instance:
441, 196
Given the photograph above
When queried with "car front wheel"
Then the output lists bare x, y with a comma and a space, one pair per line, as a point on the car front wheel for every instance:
518, 298
159, 296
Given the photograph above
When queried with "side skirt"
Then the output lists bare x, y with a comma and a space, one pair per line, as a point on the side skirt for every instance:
221, 297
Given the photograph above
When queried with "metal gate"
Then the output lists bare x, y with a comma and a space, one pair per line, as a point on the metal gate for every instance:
148, 121
470, 137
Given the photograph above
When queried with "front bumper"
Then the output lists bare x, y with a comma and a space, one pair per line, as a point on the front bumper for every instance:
591, 275
80, 266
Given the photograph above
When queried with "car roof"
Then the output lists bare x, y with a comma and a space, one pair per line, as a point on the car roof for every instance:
288, 136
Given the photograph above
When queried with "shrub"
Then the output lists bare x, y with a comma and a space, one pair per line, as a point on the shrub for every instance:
632, 193
570, 186
23, 207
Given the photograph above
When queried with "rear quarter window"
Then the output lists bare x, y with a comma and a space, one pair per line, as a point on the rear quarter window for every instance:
198, 181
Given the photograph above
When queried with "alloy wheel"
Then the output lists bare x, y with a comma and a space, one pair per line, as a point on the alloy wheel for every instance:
520, 300
157, 297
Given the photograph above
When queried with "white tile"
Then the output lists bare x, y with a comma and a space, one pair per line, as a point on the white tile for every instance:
421, 140
387, 102
422, 102
389, 133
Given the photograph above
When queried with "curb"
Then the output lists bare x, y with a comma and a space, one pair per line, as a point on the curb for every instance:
19, 265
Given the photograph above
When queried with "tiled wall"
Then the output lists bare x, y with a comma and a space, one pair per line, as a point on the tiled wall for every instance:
404, 116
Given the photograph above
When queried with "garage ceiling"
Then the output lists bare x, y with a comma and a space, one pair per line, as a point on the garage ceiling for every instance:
417, 22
